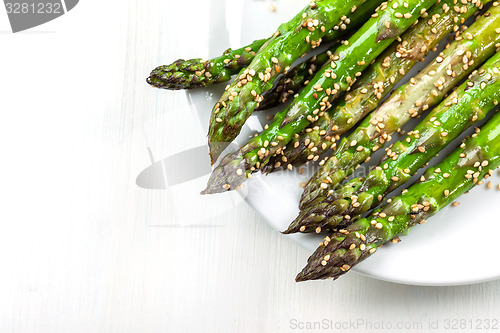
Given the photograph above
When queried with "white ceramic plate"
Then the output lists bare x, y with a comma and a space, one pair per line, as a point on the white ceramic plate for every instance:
457, 246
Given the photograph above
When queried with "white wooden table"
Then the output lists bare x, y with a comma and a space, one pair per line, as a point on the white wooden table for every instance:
84, 249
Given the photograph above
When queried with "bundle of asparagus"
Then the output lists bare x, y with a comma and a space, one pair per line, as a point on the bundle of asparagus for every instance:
439, 187
335, 90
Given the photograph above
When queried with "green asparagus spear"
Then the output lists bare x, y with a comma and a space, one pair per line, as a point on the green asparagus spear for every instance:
347, 63
293, 39
196, 73
467, 105
440, 186
425, 90
376, 82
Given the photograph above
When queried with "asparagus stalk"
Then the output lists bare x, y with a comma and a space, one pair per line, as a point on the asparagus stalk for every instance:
467, 105
425, 90
440, 186
293, 39
375, 83
196, 73
347, 63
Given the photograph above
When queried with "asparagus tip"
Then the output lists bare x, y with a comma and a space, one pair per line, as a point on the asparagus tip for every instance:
332, 258
180, 74
167, 77
228, 175
300, 277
